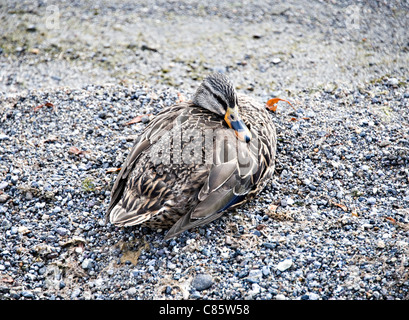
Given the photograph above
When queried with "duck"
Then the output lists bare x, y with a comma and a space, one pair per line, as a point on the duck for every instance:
195, 161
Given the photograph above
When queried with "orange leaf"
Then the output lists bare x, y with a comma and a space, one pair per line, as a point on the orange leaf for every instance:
340, 205
112, 170
181, 98
390, 219
137, 119
7, 279
47, 104
271, 104
75, 150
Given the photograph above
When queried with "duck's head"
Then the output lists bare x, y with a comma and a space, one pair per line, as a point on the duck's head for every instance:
217, 94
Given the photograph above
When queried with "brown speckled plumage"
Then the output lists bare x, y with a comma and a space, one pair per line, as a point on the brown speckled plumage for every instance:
188, 166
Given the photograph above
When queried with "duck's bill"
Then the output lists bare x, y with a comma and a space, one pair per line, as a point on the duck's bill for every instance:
234, 121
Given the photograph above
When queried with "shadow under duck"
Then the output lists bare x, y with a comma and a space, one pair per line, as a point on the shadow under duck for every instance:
195, 160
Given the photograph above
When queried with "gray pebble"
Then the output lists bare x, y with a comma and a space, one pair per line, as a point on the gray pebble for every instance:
202, 282
87, 264
75, 293
371, 201
4, 137
27, 294
62, 231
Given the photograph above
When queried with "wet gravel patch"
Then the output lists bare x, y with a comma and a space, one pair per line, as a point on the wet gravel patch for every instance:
333, 223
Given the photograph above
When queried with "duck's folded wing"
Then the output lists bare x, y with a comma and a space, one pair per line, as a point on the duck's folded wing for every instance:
227, 185
162, 123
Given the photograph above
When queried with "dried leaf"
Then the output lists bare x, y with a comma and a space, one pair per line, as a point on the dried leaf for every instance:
34, 51
75, 150
340, 205
272, 104
390, 219
137, 119
272, 208
47, 104
7, 279
113, 170
181, 98
354, 214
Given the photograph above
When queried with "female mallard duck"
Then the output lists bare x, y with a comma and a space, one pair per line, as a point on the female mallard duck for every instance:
195, 160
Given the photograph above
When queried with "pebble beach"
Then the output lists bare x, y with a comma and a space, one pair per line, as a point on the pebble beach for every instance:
78, 83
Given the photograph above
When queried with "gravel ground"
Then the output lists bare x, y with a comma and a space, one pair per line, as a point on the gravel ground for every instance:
333, 223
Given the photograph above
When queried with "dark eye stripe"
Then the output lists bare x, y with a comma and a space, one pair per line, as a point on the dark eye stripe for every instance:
220, 100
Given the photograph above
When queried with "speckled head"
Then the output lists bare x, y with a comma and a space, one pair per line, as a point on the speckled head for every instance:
217, 94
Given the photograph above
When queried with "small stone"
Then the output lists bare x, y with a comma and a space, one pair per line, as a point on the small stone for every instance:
276, 60
313, 296
132, 291
27, 294
371, 201
75, 293
286, 202
87, 264
393, 82
62, 231
4, 137
195, 295
284, 265
102, 115
257, 233
145, 119
57, 210
255, 276
380, 244
202, 282
269, 245
4, 197
5, 224
23, 230
31, 28
266, 271
3, 185
384, 143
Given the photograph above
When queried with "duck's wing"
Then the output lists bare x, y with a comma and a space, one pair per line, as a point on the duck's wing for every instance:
162, 122
229, 182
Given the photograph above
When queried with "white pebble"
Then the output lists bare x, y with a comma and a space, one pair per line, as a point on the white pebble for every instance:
284, 265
